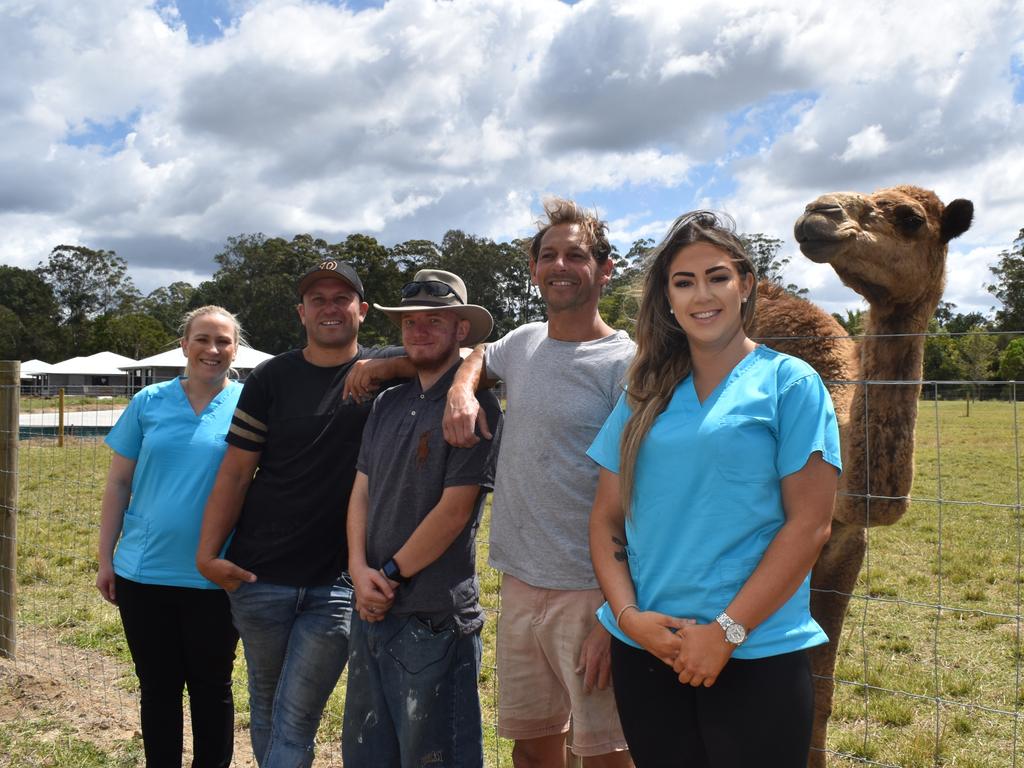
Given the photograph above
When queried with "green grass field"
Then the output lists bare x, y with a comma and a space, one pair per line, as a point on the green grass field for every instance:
930, 686
71, 403
919, 684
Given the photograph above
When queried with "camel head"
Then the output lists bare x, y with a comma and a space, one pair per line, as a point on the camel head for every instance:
890, 246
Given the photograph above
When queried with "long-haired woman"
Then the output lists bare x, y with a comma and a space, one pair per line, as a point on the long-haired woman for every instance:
719, 471
168, 445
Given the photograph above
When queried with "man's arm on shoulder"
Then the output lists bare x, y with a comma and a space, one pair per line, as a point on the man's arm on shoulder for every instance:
462, 414
366, 375
220, 516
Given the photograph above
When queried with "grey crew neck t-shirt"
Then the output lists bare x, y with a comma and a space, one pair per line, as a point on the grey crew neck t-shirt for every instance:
559, 393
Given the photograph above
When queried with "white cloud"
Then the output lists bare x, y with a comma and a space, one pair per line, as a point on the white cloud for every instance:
627, 230
967, 274
866, 144
420, 116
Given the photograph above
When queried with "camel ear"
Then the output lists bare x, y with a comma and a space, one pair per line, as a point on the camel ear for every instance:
956, 219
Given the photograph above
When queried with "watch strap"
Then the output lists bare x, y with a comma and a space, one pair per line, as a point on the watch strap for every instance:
391, 571
735, 633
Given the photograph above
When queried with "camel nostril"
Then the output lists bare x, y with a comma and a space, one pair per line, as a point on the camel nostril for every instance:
825, 209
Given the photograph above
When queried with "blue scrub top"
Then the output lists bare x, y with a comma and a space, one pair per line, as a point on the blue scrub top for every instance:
707, 497
177, 455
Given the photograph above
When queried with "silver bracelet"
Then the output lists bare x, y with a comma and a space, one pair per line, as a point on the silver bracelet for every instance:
623, 609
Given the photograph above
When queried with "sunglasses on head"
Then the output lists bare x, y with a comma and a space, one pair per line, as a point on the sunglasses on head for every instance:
434, 288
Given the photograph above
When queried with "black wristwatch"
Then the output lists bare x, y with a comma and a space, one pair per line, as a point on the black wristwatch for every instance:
391, 571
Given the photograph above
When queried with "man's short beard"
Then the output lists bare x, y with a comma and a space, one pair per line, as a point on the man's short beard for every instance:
434, 364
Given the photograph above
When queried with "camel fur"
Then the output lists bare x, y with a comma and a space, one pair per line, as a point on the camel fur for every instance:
890, 247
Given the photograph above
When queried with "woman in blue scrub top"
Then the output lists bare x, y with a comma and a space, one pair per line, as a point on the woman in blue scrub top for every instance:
719, 468
168, 445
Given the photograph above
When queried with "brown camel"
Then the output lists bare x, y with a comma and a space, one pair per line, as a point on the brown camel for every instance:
890, 247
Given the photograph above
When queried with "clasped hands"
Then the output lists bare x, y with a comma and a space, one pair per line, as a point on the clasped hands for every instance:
375, 593
696, 652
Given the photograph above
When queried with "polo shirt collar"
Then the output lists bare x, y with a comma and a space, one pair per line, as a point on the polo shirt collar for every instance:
439, 389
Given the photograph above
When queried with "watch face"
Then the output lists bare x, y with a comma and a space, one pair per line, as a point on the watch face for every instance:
735, 634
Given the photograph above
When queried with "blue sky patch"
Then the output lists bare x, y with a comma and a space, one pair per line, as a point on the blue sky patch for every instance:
755, 127
751, 130
361, 5
205, 20
1017, 76
109, 136
641, 203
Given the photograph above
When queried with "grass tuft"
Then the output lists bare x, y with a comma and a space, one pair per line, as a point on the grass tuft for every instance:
962, 660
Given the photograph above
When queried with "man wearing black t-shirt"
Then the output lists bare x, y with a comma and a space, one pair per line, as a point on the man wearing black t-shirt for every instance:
283, 488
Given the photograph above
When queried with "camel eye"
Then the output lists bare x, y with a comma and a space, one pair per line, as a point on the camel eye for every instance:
908, 220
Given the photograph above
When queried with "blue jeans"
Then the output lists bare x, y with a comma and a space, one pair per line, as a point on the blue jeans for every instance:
296, 643
412, 697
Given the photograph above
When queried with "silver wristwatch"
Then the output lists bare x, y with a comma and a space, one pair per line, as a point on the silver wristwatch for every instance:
734, 633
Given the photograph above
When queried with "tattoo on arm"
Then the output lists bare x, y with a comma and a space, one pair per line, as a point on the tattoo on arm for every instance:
620, 553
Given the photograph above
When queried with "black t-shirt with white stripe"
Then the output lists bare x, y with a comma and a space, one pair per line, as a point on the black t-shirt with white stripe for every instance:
292, 527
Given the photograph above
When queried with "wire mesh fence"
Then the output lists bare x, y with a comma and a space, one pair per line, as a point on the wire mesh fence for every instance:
929, 662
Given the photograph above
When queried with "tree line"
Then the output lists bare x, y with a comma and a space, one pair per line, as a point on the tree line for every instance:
81, 301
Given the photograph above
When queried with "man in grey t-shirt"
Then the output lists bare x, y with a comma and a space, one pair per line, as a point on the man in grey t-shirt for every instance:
414, 652
562, 379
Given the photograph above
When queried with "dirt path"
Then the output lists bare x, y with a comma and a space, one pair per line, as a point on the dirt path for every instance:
64, 688
67, 688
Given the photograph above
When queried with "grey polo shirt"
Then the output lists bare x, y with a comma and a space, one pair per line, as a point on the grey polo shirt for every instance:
409, 464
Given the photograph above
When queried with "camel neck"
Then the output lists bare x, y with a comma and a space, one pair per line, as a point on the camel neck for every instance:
879, 443
893, 347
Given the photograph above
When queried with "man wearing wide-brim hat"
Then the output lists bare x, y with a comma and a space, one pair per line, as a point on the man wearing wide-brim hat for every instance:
412, 521
437, 289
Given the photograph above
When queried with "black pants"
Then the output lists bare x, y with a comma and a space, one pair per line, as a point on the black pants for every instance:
181, 637
758, 712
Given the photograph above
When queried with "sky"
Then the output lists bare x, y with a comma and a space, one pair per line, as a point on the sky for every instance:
159, 129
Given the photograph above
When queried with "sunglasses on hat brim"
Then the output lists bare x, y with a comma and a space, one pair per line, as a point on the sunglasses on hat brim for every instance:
434, 288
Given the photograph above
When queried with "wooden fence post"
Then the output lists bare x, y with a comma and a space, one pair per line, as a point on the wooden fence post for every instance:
10, 402
60, 417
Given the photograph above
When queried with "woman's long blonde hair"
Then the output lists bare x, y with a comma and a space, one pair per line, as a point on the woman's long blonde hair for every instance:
662, 357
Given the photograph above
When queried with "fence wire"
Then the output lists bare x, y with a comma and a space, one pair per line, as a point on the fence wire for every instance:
929, 667
929, 664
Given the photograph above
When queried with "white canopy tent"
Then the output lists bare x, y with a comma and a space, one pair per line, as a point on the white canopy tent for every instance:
99, 374
100, 364
35, 368
34, 376
167, 365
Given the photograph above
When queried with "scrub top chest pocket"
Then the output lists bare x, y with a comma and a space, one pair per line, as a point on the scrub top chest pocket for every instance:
745, 449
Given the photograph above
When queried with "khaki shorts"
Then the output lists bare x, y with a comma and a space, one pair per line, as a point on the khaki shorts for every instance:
540, 632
